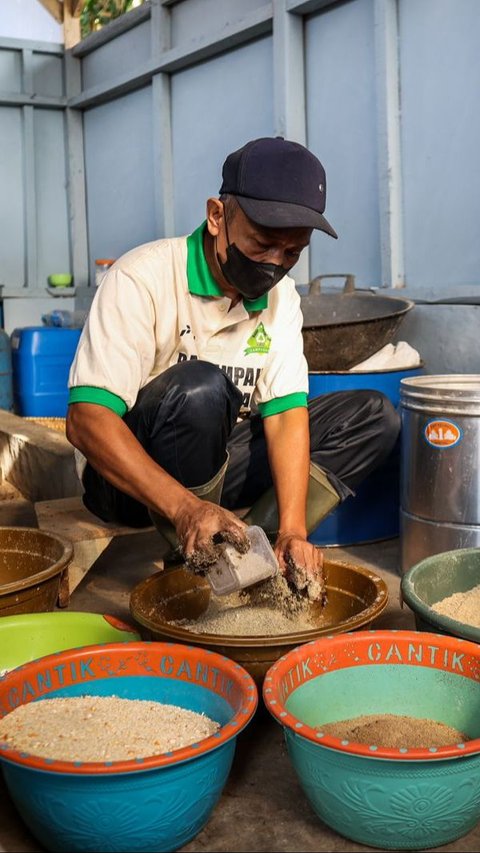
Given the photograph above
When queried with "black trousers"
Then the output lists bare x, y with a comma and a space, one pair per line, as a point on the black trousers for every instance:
186, 420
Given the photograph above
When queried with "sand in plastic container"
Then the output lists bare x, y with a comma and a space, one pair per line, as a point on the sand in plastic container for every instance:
462, 606
395, 731
268, 609
102, 728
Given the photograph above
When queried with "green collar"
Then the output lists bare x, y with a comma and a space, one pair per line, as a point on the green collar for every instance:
201, 281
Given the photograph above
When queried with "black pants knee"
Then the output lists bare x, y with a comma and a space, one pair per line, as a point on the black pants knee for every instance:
351, 433
182, 419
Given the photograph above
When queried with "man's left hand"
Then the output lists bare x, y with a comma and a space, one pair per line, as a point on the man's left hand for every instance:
302, 564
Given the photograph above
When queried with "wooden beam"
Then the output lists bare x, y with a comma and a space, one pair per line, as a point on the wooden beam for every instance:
55, 8
76, 7
71, 26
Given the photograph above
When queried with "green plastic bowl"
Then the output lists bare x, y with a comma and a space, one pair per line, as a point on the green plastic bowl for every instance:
402, 798
29, 636
60, 279
438, 577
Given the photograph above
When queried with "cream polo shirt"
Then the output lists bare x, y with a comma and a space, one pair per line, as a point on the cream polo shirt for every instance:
159, 305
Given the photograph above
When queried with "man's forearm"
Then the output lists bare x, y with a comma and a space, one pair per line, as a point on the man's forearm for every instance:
288, 443
112, 449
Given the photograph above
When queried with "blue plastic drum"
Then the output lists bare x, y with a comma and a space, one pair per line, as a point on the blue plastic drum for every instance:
6, 380
373, 513
41, 360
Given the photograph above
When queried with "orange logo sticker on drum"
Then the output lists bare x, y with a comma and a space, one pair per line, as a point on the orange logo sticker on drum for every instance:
441, 433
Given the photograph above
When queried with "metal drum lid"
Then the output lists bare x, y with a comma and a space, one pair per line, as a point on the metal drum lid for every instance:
452, 393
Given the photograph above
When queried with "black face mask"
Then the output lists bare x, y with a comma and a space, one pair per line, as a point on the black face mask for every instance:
251, 278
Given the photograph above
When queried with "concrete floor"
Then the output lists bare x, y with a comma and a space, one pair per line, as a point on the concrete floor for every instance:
262, 806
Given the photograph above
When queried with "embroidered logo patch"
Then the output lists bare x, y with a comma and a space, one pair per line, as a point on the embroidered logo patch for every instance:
259, 341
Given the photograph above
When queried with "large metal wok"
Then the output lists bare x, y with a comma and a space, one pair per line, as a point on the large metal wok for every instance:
342, 329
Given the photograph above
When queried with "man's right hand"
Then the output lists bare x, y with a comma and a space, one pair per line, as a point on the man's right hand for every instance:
201, 526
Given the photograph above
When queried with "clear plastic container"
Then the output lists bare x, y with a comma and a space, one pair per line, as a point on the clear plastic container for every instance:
69, 319
102, 266
235, 571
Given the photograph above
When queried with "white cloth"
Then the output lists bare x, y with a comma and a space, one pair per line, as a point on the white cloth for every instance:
390, 357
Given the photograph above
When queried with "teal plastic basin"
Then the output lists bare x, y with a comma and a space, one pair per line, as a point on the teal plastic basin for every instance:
436, 578
401, 798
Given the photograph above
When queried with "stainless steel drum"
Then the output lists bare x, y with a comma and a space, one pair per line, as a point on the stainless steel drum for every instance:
440, 465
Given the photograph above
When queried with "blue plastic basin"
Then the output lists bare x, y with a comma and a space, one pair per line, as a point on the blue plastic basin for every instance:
158, 803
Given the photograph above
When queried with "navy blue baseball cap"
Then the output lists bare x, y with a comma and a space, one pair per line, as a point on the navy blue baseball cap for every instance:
278, 184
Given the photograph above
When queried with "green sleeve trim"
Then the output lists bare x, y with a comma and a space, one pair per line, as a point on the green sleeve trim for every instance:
99, 396
283, 404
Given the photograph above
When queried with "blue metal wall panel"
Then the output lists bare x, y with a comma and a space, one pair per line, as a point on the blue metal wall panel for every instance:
34, 218
341, 131
440, 73
12, 208
51, 201
10, 70
202, 17
125, 53
119, 169
217, 106
48, 74
221, 102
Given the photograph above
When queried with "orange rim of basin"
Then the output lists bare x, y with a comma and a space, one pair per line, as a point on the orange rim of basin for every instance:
226, 678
